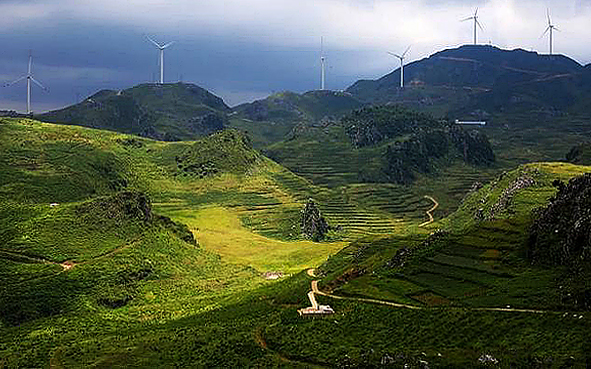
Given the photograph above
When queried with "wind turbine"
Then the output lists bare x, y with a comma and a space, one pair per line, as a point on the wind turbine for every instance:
322, 64
476, 23
29, 78
550, 28
401, 57
161, 48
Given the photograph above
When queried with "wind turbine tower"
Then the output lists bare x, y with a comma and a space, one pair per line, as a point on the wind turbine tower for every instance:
551, 28
322, 65
476, 24
161, 48
401, 57
29, 78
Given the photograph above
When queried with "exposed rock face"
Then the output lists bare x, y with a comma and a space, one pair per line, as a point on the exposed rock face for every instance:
561, 235
525, 180
314, 226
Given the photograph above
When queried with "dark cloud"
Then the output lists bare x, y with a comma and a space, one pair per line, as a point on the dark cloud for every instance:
245, 49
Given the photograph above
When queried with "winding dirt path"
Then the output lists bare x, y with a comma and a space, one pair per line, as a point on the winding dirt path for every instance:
317, 291
430, 211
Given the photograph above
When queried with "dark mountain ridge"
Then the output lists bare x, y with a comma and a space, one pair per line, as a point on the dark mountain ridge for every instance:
472, 76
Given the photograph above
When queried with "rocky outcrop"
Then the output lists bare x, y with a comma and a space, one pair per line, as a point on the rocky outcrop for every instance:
562, 233
369, 126
124, 205
416, 153
314, 226
561, 236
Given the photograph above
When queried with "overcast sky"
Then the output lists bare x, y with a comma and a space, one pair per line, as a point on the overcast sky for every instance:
246, 49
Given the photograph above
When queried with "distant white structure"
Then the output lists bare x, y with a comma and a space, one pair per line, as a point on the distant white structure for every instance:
550, 29
401, 57
315, 309
29, 78
476, 24
322, 65
161, 48
471, 123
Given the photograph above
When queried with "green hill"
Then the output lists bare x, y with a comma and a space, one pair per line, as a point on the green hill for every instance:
121, 251
169, 112
460, 278
272, 119
493, 251
403, 153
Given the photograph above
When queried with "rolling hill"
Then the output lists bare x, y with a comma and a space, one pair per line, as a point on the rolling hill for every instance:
271, 120
124, 251
168, 112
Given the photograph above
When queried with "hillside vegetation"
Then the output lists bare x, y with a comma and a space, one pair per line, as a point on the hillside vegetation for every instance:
272, 119
117, 255
168, 112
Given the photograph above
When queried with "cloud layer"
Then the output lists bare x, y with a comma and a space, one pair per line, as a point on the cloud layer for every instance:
245, 49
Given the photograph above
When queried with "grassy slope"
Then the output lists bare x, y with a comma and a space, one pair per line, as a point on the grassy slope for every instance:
197, 309
478, 263
143, 267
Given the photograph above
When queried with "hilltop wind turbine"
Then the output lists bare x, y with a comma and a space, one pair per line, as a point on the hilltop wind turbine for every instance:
29, 78
550, 29
322, 64
476, 23
401, 57
161, 48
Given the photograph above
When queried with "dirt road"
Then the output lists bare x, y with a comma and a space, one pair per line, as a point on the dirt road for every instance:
317, 291
430, 211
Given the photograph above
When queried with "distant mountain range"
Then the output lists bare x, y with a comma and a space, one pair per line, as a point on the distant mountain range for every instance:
483, 80
473, 81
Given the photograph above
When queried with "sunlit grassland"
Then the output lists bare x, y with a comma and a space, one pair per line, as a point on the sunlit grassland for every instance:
221, 231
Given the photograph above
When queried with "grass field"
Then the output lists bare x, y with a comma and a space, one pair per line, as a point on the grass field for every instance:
153, 254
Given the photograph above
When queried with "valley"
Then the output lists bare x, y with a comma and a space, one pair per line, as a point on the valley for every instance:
158, 227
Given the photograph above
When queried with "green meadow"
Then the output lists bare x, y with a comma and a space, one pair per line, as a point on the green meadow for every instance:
118, 251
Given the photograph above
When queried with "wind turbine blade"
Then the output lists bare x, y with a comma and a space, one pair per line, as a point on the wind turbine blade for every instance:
546, 31
479, 25
38, 84
407, 49
15, 81
396, 55
476, 13
168, 44
154, 42
556, 28
30, 63
548, 14
467, 19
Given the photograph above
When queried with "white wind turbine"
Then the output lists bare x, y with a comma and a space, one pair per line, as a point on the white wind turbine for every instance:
322, 64
476, 24
29, 78
401, 57
161, 48
551, 28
